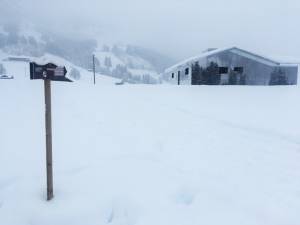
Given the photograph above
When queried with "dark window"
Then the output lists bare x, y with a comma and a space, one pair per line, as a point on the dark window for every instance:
223, 70
172, 75
187, 71
239, 69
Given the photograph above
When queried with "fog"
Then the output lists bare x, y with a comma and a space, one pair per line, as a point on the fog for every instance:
179, 28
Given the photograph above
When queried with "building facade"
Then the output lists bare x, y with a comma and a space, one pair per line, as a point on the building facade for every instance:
232, 66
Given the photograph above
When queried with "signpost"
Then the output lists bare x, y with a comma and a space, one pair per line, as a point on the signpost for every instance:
47, 73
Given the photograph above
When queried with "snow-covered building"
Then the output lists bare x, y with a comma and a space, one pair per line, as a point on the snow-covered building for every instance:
232, 66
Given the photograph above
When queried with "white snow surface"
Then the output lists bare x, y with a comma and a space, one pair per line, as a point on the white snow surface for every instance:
150, 155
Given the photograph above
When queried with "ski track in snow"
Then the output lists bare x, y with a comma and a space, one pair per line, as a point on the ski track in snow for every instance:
267, 133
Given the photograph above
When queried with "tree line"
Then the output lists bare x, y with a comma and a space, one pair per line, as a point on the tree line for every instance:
211, 75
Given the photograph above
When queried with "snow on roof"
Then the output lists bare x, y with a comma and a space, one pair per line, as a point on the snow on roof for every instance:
288, 60
196, 58
49, 59
241, 52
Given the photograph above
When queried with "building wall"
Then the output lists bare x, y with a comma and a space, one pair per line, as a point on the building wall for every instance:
185, 79
292, 73
257, 73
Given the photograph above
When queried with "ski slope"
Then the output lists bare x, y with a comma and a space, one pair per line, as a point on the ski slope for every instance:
150, 155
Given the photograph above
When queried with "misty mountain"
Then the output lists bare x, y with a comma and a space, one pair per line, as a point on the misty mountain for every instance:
159, 61
132, 63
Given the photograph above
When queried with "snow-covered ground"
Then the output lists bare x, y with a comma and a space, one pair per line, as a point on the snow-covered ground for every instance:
150, 155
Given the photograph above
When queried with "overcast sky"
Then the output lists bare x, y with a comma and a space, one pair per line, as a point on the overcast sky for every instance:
179, 28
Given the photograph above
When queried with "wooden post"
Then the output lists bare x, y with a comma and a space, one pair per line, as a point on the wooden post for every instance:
178, 77
48, 125
94, 69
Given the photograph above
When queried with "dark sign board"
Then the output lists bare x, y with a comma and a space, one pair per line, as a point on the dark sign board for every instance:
48, 71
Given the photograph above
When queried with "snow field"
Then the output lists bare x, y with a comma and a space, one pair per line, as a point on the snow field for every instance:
144, 155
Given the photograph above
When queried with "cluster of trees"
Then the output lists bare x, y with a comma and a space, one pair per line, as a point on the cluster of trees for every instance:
122, 72
278, 77
107, 62
211, 75
20, 45
206, 76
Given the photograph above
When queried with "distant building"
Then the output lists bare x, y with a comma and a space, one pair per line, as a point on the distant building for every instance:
233, 66
17, 59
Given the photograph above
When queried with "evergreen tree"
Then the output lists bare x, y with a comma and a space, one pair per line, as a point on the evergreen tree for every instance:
213, 76
196, 74
204, 77
2, 69
107, 62
232, 78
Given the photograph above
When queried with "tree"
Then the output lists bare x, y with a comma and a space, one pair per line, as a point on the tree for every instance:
213, 76
208, 76
121, 71
107, 62
232, 78
204, 77
2, 69
2, 40
278, 77
196, 74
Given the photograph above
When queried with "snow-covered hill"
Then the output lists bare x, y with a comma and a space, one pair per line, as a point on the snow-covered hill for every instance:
144, 155
125, 63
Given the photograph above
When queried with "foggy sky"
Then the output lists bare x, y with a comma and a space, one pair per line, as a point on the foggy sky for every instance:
179, 28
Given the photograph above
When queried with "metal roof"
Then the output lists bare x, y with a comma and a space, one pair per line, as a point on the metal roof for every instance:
238, 51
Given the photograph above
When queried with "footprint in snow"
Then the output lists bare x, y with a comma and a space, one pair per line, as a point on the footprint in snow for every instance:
185, 196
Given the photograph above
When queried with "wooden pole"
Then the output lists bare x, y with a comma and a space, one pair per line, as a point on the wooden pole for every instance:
94, 69
48, 125
178, 77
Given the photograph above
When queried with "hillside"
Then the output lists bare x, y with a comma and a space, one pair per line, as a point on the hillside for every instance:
128, 62
144, 155
20, 70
